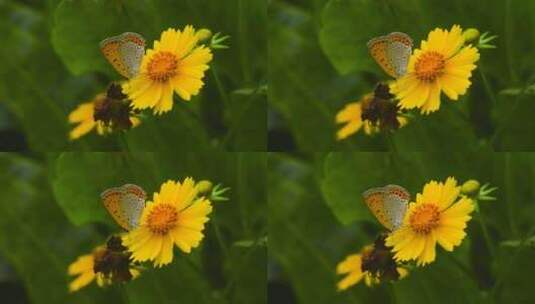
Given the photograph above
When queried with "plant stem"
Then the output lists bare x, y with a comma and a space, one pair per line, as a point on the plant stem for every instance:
508, 191
243, 40
220, 88
487, 86
219, 237
462, 267
504, 122
509, 39
486, 235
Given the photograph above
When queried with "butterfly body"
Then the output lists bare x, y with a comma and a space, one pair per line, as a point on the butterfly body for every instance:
392, 52
124, 52
388, 204
125, 204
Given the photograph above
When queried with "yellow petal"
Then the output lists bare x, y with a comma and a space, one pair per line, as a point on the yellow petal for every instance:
349, 264
149, 98
81, 281
82, 129
166, 252
82, 264
166, 101
186, 238
350, 280
186, 41
185, 194
433, 102
428, 254
83, 112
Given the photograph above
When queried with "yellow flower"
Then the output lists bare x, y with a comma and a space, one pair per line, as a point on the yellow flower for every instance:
175, 217
438, 215
175, 64
352, 266
351, 116
84, 267
84, 116
443, 63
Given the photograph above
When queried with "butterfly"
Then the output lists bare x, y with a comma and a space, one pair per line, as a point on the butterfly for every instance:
124, 52
125, 204
388, 204
392, 52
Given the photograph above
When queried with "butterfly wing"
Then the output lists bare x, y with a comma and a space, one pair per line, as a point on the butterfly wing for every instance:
110, 49
124, 52
396, 202
375, 200
398, 52
392, 52
378, 50
132, 204
131, 50
112, 200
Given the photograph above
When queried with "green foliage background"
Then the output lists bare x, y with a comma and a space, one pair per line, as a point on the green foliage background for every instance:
51, 62
51, 214
319, 62
317, 218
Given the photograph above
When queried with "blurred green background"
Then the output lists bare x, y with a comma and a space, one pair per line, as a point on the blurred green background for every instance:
319, 62
317, 218
51, 214
51, 62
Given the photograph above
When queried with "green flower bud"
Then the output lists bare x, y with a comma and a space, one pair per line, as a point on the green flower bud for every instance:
470, 186
204, 186
204, 34
470, 35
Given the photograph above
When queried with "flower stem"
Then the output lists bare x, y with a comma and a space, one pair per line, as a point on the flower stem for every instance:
220, 88
509, 39
390, 142
487, 86
242, 30
123, 141
462, 267
508, 191
219, 237
486, 235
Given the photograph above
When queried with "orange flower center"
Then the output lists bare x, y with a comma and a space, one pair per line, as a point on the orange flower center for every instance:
162, 218
162, 66
424, 218
429, 66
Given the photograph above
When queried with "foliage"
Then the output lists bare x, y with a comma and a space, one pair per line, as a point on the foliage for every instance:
53, 214
52, 63
319, 62
317, 217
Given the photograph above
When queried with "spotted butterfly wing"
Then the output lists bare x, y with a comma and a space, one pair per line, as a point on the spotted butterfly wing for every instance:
388, 204
396, 202
124, 52
125, 204
392, 52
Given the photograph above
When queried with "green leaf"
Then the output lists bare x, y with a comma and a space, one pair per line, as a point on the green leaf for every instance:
347, 176
343, 37
440, 282
248, 124
37, 239
304, 239
299, 75
76, 33
81, 177
34, 86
